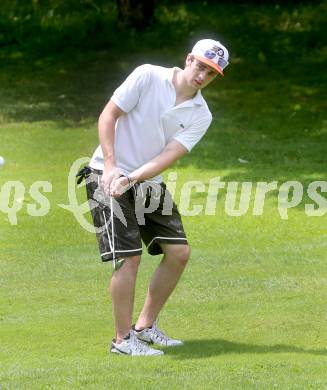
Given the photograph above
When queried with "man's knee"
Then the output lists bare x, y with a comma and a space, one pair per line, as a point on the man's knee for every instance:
133, 262
130, 265
178, 253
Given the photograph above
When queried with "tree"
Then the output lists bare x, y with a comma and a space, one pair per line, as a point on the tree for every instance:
134, 13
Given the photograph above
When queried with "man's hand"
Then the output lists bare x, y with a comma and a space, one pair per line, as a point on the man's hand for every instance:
109, 175
119, 186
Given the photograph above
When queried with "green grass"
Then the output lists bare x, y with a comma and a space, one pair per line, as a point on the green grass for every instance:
251, 305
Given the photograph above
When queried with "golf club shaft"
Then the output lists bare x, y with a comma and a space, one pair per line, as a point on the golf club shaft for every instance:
112, 232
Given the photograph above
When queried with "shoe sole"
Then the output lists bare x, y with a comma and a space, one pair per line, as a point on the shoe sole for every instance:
119, 352
150, 342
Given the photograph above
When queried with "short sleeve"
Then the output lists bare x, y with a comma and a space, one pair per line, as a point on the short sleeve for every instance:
127, 95
191, 135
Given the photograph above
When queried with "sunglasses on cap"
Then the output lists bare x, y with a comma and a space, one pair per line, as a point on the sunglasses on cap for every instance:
222, 63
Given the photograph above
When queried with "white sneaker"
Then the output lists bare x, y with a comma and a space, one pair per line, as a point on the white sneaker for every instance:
131, 345
154, 335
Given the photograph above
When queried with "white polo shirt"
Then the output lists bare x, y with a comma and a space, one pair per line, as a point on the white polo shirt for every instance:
152, 120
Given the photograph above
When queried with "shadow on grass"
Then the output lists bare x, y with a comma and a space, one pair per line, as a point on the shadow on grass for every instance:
215, 347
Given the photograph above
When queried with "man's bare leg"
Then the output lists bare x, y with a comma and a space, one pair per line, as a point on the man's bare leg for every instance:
122, 289
163, 282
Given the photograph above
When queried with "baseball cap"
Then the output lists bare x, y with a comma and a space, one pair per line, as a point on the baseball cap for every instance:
212, 53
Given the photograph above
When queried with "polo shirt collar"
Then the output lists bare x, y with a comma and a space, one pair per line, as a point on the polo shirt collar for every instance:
197, 99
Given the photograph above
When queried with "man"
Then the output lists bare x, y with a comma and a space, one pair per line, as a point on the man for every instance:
155, 117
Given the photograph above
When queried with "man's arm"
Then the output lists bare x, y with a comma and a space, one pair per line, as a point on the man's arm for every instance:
173, 151
106, 124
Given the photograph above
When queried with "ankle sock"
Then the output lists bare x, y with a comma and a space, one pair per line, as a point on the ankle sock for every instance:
140, 330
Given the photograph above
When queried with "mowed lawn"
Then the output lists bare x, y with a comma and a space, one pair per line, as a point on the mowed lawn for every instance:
251, 305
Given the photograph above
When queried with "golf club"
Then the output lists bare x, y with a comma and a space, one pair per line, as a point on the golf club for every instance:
116, 262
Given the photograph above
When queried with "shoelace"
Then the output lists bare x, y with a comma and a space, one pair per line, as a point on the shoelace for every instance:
142, 188
156, 188
158, 334
138, 345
